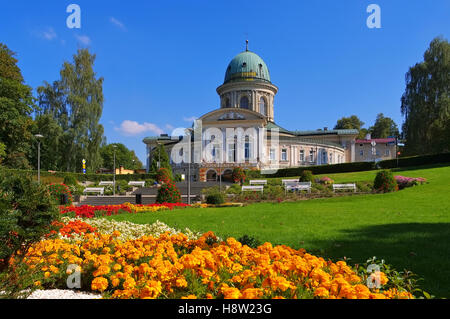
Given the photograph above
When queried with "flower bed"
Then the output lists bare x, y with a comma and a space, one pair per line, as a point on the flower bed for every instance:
403, 181
88, 211
174, 266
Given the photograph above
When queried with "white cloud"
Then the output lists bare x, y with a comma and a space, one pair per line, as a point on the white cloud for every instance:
132, 128
189, 119
169, 127
117, 23
83, 39
48, 34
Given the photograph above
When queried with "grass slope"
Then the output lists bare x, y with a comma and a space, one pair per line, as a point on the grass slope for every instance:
410, 229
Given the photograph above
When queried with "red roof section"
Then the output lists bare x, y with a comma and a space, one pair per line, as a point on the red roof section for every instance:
376, 140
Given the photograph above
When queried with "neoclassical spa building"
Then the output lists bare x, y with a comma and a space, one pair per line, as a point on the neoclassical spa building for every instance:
247, 101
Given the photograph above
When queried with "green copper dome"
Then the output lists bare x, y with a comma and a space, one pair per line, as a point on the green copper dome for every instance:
247, 66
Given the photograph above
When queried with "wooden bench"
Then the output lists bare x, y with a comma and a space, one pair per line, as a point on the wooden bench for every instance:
344, 187
137, 183
99, 190
258, 182
253, 188
106, 183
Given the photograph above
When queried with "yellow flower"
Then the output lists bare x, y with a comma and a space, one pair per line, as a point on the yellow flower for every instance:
99, 283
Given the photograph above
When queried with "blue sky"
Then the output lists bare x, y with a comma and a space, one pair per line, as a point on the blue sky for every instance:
163, 60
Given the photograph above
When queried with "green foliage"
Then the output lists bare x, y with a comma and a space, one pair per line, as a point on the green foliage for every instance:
384, 127
250, 241
234, 189
426, 102
168, 193
26, 213
163, 175
351, 123
215, 198
385, 182
16, 107
416, 160
160, 154
57, 191
306, 176
238, 175
70, 180
124, 157
75, 102
2, 152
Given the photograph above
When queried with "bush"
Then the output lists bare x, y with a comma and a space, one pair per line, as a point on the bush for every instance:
168, 193
306, 176
234, 189
70, 180
250, 241
238, 175
26, 213
57, 191
385, 182
164, 175
215, 198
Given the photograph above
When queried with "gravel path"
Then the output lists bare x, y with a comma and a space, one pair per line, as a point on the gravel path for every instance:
62, 294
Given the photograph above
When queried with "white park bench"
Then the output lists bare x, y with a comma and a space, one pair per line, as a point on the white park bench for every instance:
106, 183
286, 182
99, 190
344, 187
298, 186
253, 188
137, 183
258, 182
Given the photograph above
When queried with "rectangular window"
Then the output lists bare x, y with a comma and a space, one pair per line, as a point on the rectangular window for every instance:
231, 153
302, 155
284, 154
324, 157
311, 155
388, 153
247, 151
272, 154
361, 153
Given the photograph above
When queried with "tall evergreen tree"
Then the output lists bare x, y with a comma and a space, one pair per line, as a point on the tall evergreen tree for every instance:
16, 106
76, 103
425, 103
160, 154
384, 127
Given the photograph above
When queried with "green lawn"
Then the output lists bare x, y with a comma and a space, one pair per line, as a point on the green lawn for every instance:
410, 229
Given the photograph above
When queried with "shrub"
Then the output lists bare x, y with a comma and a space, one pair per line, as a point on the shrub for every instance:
238, 175
70, 180
57, 191
163, 175
215, 198
168, 193
234, 189
385, 182
26, 213
326, 180
306, 176
250, 241
403, 181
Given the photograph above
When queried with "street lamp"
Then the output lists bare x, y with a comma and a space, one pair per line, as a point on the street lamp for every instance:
114, 176
190, 130
39, 136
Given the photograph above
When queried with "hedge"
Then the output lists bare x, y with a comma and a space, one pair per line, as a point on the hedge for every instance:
416, 161
356, 166
85, 177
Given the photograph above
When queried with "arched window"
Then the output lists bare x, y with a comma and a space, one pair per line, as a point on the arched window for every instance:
262, 106
244, 104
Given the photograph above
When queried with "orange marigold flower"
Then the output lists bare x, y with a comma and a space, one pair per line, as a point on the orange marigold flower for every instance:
99, 283
321, 292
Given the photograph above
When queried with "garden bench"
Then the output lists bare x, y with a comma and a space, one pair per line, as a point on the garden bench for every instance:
106, 183
298, 186
344, 187
253, 188
100, 190
137, 183
286, 182
258, 182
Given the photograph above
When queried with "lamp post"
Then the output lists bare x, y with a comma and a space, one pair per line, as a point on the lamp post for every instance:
189, 131
39, 136
114, 176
